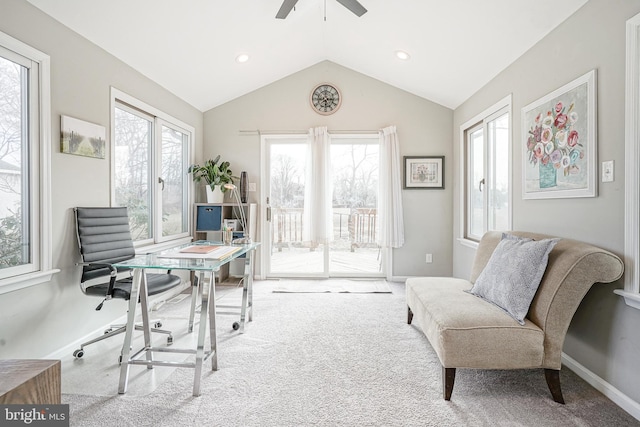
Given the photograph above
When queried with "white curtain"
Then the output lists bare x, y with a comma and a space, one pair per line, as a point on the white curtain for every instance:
317, 191
390, 215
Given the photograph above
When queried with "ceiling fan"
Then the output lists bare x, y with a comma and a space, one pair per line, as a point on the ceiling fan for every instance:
353, 5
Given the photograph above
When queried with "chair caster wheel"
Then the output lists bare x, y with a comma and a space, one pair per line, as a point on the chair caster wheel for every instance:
157, 325
235, 326
169, 340
78, 353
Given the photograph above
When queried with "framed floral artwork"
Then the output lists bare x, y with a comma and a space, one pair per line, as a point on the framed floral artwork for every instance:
559, 142
424, 172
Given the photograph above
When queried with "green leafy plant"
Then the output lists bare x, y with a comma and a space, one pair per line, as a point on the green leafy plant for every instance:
214, 173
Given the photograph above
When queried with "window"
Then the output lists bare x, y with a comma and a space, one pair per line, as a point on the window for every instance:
25, 138
150, 159
486, 159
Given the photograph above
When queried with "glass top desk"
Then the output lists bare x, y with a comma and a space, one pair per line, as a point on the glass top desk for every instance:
172, 259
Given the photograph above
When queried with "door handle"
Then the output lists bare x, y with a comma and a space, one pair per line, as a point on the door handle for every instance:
268, 211
161, 181
480, 184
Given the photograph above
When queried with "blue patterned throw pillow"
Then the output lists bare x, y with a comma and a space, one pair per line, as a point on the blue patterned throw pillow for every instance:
512, 276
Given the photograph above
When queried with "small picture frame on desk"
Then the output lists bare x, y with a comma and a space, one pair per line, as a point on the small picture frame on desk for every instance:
231, 224
423, 172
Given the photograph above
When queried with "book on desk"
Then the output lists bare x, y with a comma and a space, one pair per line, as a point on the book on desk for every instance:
215, 252
199, 249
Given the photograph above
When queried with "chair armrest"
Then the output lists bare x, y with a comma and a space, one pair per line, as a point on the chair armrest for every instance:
112, 280
113, 269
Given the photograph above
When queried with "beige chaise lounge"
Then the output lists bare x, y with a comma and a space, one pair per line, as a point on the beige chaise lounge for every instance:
469, 332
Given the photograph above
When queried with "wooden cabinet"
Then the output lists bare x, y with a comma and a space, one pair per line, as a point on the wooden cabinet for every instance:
210, 220
30, 382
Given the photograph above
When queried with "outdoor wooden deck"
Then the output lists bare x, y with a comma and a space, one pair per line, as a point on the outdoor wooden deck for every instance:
363, 261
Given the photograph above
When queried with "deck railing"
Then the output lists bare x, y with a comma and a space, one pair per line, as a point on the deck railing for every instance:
358, 228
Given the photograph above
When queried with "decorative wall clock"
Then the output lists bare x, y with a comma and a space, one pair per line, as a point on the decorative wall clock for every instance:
325, 99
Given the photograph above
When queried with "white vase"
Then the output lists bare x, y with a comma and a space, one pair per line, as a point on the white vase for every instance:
214, 196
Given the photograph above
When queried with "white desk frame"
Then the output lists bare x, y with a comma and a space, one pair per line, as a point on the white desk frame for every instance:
207, 312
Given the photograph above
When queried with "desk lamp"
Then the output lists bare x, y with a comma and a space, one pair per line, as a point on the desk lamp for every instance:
243, 220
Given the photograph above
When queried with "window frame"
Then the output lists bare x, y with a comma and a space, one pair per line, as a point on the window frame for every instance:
40, 270
631, 291
159, 118
469, 181
480, 121
160, 123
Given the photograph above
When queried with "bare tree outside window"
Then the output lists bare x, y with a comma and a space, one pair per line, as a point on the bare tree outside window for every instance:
287, 180
13, 149
151, 154
355, 172
133, 137
174, 212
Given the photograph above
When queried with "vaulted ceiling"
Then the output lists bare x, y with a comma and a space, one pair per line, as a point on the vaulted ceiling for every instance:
190, 46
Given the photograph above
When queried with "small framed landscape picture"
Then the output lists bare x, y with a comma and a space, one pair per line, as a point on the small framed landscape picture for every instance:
82, 138
424, 172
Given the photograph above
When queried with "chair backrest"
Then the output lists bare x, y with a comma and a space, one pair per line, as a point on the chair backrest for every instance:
103, 237
572, 269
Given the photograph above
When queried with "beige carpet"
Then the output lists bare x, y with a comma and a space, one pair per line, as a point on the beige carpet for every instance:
326, 360
353, 286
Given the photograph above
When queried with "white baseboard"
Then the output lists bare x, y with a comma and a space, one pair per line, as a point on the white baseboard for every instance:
618, 397
68, 349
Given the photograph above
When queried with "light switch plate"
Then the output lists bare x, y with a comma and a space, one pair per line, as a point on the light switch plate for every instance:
607, 171
252, 186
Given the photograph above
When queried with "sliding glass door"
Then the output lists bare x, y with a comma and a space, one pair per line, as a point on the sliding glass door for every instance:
354, 177
290, 252
350, 249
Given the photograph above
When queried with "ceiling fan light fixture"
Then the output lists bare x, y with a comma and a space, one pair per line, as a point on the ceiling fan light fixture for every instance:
402, 55
242, 58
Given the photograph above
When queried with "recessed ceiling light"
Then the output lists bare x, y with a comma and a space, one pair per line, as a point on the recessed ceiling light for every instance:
243, 57
401, 54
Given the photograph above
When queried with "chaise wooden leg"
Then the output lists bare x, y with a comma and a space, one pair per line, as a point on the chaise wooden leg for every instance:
553, 381
409, 315
448, 378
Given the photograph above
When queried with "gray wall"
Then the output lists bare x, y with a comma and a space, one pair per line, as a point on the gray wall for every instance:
603, 335
41, 319
424, 128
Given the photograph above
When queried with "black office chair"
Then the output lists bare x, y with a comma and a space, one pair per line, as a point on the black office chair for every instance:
104, 238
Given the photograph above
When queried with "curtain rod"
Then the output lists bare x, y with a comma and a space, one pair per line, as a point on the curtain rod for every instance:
302, 132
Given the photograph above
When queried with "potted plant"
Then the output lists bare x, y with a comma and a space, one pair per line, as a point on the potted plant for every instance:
215, 174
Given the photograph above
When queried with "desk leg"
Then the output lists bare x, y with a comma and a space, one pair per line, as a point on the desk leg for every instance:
207, 308
196, 285
131, 316
247, 291
252, 257
213, 335
144, 306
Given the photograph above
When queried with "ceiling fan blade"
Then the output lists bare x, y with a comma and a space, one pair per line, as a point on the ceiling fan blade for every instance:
286, 7
354, 6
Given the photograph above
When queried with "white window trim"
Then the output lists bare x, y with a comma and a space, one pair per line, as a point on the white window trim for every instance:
45, 271
117, 96
631, 292
505, 102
